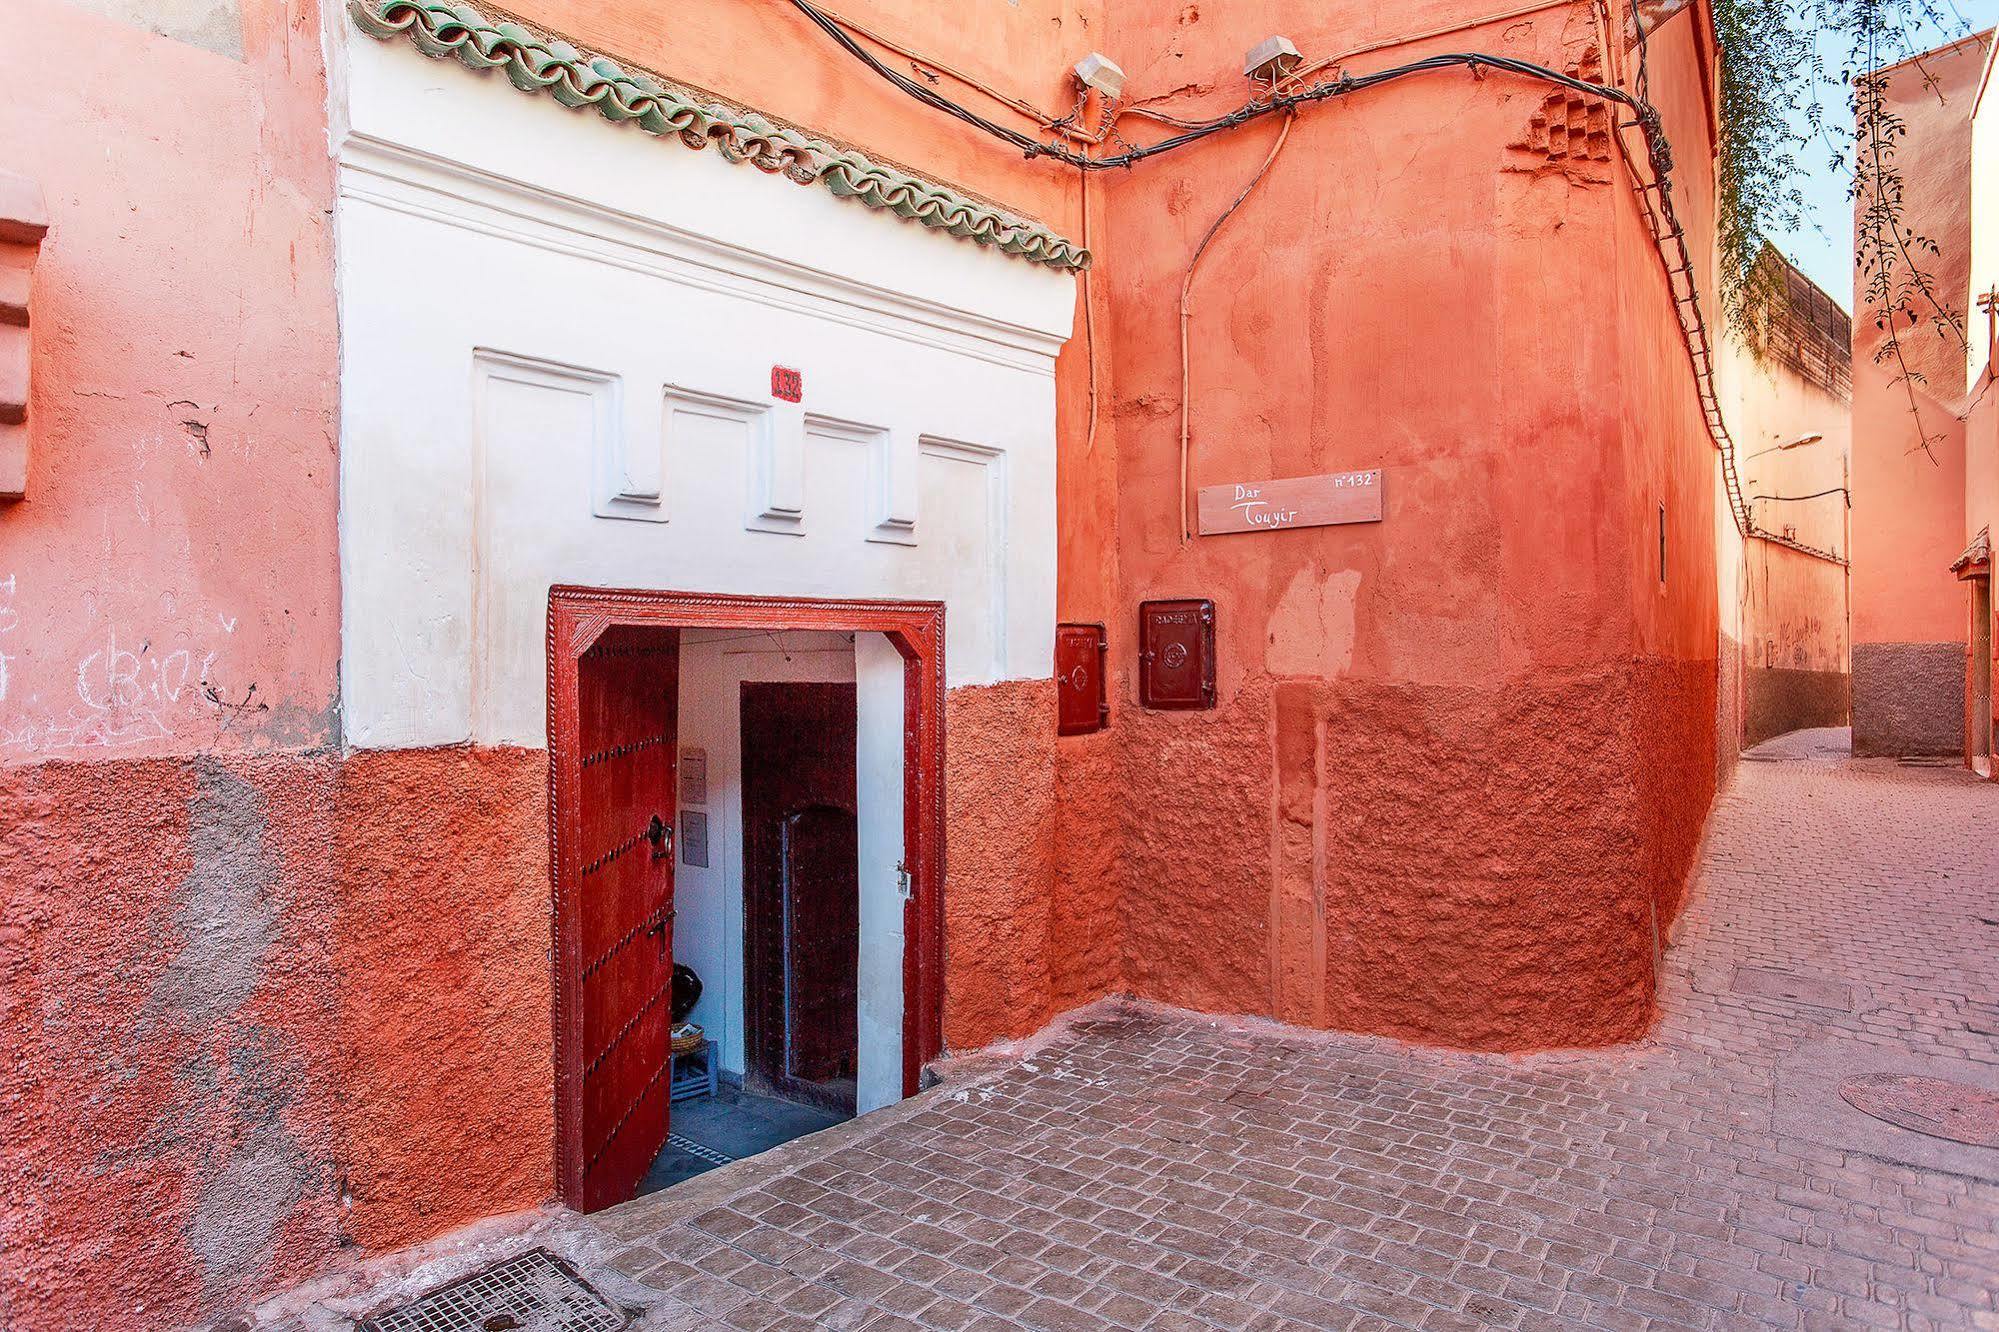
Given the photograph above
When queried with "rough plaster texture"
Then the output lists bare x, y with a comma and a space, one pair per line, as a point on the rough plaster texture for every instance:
1462, 758
333, 1036
169, 973
444, 1050
1908, 699
999, 792
1730, 706
1785, 700
1498, 659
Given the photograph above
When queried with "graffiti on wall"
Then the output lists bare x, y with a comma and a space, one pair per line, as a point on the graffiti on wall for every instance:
125, 688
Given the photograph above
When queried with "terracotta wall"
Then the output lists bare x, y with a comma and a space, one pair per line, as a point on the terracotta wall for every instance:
1792, 606
1909, 519
284, 1001
168, 638
1460, 755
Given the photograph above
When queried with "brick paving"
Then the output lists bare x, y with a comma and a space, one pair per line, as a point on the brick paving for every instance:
1149, 1169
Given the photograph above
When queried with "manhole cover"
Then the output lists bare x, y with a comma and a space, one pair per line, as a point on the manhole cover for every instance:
535, 1292
1937, 1108
1768, 983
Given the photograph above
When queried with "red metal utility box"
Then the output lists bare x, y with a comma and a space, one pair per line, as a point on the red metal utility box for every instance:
1083, 702
1176, 654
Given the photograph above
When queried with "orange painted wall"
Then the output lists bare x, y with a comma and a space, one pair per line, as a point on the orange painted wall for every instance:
292, 1002
1908, 503
185, 348
168, 638
1377, 829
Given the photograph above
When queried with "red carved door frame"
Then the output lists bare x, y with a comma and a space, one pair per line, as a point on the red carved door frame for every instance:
577, 617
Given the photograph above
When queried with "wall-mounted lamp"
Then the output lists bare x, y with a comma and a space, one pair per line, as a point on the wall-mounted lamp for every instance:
1099, 72
1800, 442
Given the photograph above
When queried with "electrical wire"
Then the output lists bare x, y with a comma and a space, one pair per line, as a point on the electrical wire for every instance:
1186, 317
1816, 494
1089, 321
1669, 235
1268, 104
924, 62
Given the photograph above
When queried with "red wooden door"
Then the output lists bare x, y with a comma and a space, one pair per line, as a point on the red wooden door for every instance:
628, 686
819, 849
801, 890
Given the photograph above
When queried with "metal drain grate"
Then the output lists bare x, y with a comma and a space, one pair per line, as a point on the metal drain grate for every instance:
697, 1151
1937, 1108
534, 1292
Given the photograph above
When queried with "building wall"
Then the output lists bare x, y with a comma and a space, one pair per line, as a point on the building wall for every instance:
1383, 825
1909, 519
266, 980
1450, 794
168, 643
1793, 608
1981, 428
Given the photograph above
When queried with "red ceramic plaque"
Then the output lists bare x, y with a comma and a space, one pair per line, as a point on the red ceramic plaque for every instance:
1082, 702
1176, 654
786, 384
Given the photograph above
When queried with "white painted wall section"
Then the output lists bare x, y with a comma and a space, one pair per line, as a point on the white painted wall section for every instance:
878, 773
558, 337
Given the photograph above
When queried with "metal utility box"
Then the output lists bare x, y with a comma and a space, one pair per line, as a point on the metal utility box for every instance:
1082, 655
1176, 654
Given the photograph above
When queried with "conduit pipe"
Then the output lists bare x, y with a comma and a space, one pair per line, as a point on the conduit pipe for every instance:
1187, 314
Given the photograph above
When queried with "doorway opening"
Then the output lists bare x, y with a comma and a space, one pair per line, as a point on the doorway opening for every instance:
1978, 741
746, 845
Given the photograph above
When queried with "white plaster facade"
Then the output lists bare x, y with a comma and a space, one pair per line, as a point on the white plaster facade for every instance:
557, 342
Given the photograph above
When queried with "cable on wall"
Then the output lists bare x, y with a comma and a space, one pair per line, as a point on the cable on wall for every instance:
1655, 196
1187, 314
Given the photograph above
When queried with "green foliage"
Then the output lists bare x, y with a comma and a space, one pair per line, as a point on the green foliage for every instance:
1783, 61
1764, 88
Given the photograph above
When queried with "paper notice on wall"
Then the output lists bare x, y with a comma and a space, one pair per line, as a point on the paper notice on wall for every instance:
694, 838
694, 776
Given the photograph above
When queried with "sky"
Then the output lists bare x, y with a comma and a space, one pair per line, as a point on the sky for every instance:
1823, 247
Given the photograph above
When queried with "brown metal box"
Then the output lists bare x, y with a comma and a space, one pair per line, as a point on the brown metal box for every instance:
1176, 654
1083, 702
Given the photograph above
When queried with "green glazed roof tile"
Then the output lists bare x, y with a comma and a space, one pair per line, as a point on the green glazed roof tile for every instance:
537, 64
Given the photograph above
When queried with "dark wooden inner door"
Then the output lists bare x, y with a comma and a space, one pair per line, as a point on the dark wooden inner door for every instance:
628, 688
801, 891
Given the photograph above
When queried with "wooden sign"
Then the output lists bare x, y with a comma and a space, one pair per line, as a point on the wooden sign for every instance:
1298, 501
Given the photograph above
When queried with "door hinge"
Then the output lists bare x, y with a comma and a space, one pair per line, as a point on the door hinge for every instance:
903, 883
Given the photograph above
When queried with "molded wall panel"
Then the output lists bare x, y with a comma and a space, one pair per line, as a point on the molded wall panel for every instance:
565, 326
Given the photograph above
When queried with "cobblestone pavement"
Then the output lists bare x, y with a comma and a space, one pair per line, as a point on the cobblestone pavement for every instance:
1155, 1170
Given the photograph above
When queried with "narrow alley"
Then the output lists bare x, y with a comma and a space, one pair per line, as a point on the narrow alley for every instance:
1153, 1169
